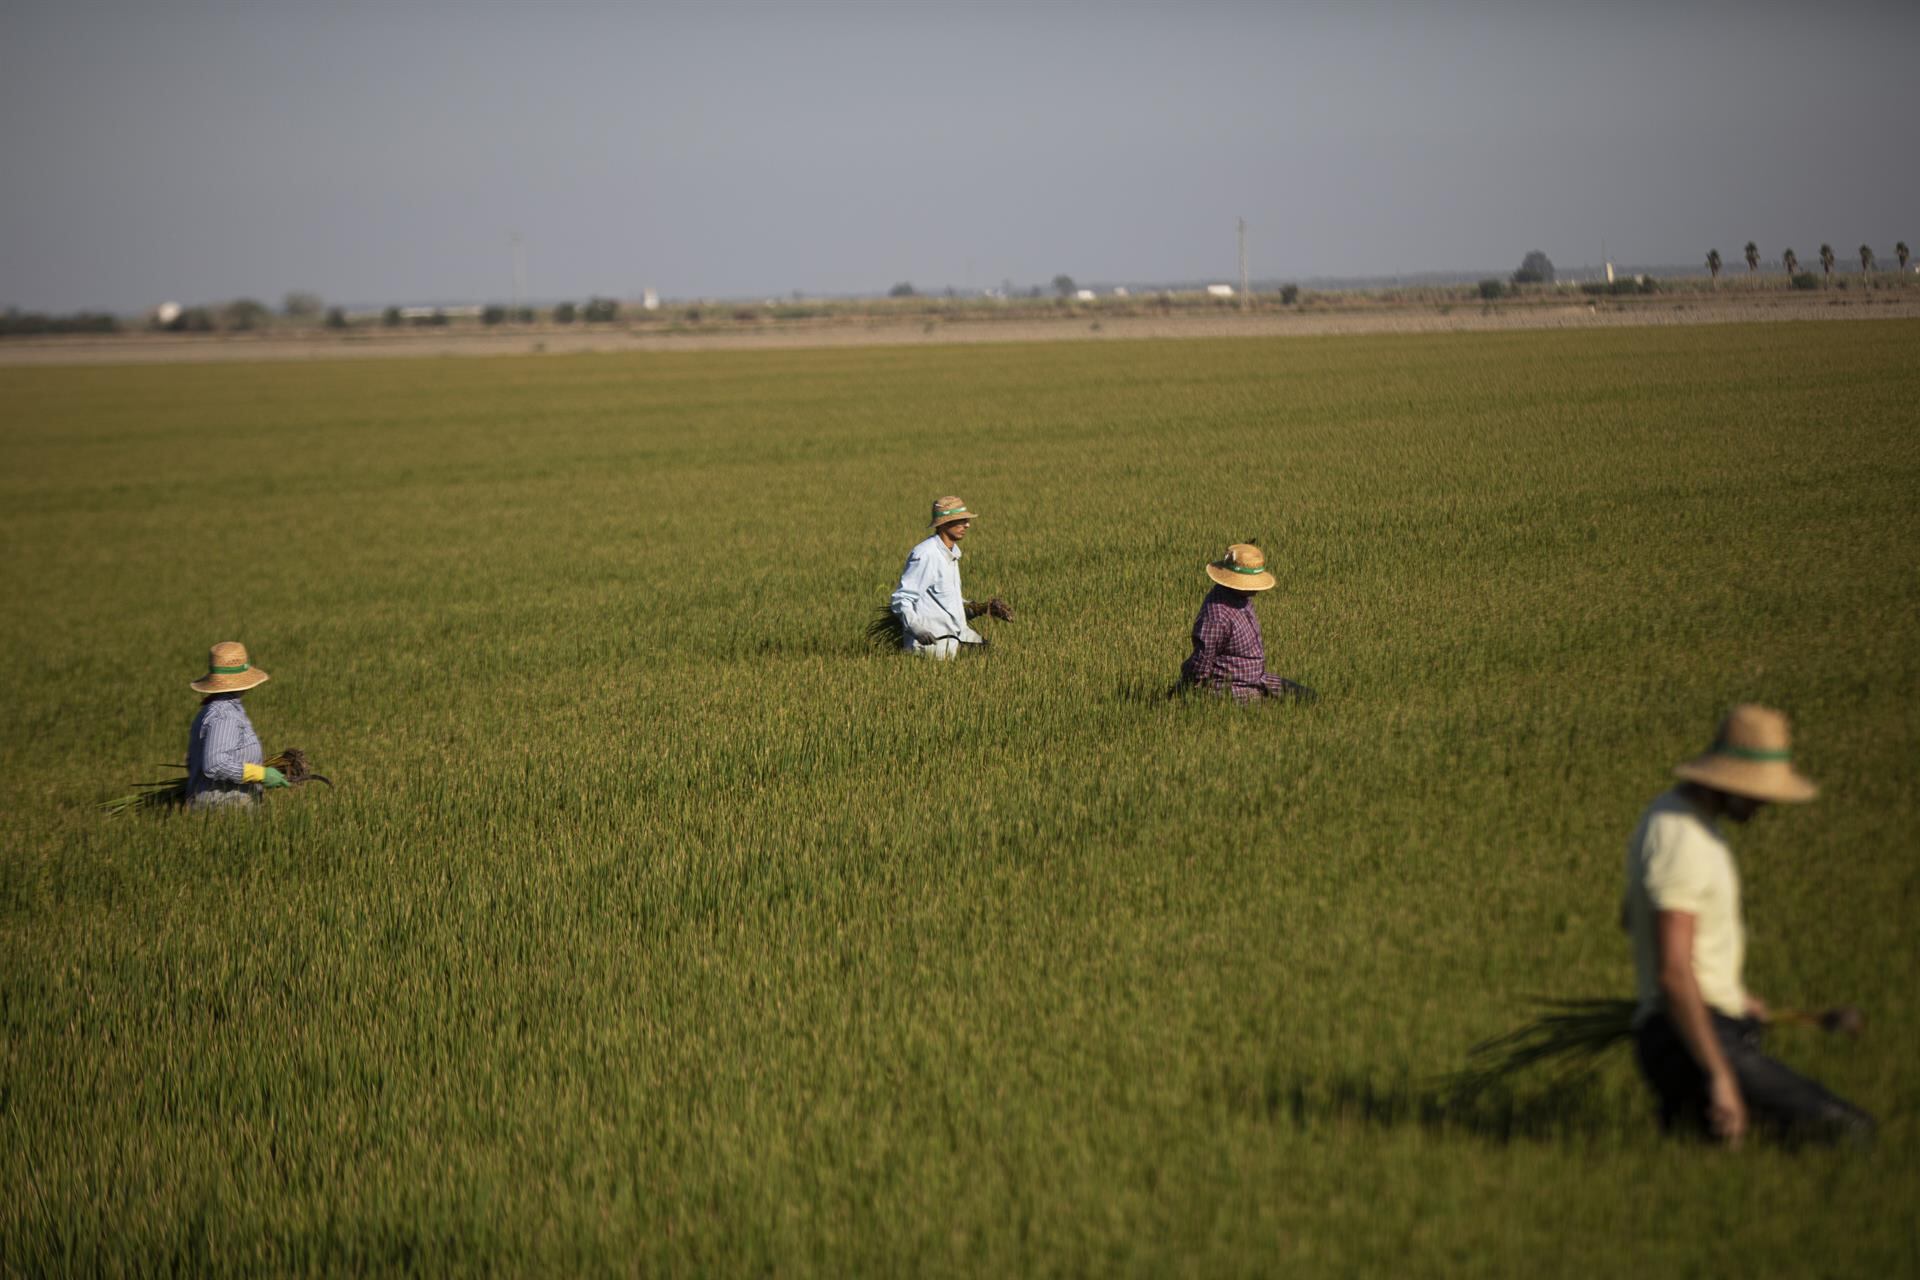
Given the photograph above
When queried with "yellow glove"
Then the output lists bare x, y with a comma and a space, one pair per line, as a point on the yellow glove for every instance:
270, 778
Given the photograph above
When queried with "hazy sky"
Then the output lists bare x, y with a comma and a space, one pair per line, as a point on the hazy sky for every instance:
385, 152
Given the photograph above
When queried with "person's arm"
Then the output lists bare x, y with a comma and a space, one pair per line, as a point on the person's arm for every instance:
1208, 634
220, 738
224, 760
906, 598
1726, 1109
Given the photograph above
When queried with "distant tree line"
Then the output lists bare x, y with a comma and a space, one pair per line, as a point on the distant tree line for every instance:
596, 311
1790, 262
239, 316
1620, 287
1537, 268
17, 323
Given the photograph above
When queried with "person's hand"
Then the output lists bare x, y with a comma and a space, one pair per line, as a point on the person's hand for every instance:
1757, 1009
922, 636
271, 777
1726, 1110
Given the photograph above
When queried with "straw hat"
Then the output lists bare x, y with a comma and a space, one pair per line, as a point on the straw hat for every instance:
947, 510
1752, 757
1244, 568
228, 670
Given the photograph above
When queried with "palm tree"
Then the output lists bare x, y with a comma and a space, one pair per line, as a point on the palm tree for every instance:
1866, 259
1753, 256
1826, 258
1713, 266
1900, 252
1791, 263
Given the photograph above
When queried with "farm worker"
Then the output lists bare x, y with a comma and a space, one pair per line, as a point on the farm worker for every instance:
932, 611
1228, 653
224, 759
1698, 1031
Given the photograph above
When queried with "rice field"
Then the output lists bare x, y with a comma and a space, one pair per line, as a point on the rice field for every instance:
656, 924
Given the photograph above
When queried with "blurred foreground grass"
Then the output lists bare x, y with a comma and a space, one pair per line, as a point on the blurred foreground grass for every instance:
658, 925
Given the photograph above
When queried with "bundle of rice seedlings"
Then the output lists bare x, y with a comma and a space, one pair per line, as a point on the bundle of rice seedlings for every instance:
1572, 1039
886, 631
161, 793
171, 793
1575, 1036
293, 763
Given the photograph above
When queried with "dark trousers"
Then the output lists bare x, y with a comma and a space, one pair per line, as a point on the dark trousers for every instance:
1778, 1098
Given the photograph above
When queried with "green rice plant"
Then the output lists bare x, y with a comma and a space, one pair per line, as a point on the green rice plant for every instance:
666, 928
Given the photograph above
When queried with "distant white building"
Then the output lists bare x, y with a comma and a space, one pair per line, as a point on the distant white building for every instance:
650, 300
1119, 291
1084, 295
432, 313
166, 313
1220, 290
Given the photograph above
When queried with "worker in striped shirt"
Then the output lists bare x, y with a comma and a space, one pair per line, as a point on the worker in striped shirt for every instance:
1228, 653
225, 763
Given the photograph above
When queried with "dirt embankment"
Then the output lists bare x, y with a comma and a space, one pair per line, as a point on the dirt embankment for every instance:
1090, 324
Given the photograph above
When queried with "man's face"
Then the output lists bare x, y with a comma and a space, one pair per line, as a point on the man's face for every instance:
955, 531
1742, 808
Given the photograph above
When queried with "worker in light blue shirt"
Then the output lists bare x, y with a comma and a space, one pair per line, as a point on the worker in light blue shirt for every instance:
934, 615
225, 762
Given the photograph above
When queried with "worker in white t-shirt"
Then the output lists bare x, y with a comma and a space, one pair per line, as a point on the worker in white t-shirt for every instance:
1698, 1031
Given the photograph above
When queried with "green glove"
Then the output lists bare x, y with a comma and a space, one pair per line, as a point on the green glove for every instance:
271, 778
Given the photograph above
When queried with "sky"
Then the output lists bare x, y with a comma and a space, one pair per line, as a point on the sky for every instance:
380, 153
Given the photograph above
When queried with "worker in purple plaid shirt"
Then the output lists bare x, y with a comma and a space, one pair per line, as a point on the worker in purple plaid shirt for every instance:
1228, 654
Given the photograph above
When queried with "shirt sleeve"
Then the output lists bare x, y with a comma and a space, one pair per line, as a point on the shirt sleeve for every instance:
1207, 637
221, 755
907, 597
1678, 877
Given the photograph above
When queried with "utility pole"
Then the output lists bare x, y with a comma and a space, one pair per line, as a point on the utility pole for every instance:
1243, 263
519, 271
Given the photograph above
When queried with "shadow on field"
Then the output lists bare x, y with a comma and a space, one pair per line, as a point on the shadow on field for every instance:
1134, 689
1578, 1109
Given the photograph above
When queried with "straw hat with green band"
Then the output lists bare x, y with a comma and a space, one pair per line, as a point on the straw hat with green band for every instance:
228, 670
949, 509
1752, 757
1244, 568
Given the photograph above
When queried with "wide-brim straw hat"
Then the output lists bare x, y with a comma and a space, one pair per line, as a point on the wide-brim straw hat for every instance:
949, 510
1244, 568
228, 670
1751, 757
